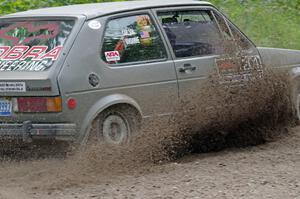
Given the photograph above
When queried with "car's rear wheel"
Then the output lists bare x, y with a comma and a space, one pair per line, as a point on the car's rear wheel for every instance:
115, 126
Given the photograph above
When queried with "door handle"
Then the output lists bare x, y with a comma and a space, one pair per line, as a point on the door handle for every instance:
187, 67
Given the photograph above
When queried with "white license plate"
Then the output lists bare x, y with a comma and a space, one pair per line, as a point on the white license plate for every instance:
5, 107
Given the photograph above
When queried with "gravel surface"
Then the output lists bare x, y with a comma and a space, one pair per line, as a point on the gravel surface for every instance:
271, 170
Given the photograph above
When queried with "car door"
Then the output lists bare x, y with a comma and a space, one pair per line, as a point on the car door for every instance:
202, 44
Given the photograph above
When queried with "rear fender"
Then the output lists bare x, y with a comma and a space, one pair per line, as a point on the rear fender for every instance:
100, 106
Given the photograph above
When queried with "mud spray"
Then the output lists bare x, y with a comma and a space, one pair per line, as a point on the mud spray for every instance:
219, 116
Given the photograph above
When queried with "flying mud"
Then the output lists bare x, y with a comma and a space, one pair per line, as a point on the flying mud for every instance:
220, 116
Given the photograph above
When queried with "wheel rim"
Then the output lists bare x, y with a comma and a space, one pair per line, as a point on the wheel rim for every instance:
115, 130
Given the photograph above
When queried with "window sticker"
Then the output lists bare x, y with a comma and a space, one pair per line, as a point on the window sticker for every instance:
52, 31
132, 41
95, 25
112, 56
20, 58
128, 32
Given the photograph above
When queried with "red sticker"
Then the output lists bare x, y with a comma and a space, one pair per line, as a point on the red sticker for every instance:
16, 53
112, 56
23, 52
35, 52
25, 58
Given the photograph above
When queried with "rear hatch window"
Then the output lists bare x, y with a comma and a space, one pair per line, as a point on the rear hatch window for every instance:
32, 45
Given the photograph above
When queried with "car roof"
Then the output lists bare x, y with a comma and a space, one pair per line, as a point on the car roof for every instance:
93, 10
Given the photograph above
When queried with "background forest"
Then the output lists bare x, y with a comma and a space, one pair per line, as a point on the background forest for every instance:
274, 23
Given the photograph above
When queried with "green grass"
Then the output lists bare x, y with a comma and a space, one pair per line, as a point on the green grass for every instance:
266, 23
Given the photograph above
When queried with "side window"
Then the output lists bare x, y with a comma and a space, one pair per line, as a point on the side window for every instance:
232, 34
240, 39
132, 39
239, 50
192, 32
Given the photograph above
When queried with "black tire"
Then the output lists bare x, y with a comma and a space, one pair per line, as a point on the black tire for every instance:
115, 126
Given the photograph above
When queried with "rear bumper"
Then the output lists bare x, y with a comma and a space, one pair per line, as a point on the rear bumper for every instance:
28, 131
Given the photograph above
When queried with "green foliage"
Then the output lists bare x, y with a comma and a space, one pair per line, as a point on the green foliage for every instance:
274, 23
11, 6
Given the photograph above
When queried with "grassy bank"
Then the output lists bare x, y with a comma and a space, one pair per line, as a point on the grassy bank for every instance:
267, 23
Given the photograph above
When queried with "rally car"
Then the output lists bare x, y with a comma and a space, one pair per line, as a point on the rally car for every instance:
115, 64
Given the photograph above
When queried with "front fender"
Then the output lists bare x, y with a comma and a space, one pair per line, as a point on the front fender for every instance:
100, 106
284, 60
287, 61
279, 58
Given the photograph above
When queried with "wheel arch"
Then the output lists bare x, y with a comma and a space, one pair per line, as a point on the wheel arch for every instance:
102, 105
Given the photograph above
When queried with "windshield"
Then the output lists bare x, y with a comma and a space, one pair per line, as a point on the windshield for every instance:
32, 45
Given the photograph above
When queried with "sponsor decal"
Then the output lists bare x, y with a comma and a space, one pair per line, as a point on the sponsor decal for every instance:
128, 32
25, 58
132, 41
12, 87
112, 56
244, 63
251, 63
95, 25
239, 69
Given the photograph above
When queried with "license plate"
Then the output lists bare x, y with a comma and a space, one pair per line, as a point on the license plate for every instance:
5, 107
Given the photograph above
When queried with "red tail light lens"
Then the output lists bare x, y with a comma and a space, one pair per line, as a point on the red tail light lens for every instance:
38, 104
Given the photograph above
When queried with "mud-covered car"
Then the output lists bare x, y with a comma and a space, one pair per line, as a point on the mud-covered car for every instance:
115, 64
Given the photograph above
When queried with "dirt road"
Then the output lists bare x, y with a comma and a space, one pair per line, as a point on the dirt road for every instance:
271, 170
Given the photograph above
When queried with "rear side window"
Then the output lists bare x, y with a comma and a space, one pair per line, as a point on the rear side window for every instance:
192, 32
32, 45
132, 39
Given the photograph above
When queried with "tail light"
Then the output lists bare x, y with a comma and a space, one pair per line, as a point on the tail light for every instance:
37, 104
